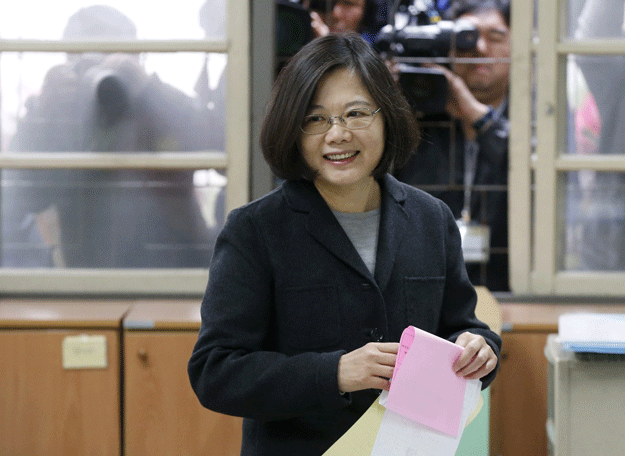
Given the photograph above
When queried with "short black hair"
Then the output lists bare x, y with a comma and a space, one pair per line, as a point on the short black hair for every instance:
461, 7
297, 84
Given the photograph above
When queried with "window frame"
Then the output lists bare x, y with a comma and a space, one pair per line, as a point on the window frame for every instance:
234, 160
537, 176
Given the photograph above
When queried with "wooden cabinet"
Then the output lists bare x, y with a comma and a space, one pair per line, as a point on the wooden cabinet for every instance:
518, 408
162, 415
46, 409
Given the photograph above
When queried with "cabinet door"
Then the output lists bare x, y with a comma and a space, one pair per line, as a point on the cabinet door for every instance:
48, 410
162, 414
519, 397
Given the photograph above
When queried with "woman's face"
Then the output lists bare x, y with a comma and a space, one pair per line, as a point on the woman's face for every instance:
343, 158
347, 16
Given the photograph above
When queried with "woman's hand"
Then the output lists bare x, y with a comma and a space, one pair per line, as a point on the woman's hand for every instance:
367, 367
477, 358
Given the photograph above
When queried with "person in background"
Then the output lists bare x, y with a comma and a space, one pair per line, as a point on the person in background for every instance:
95, 218
312, 285
474, 151
366, 17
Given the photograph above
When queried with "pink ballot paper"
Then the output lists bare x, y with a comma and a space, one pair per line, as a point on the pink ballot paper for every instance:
424, 387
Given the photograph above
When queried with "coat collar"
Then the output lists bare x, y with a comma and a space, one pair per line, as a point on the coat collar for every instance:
302, 196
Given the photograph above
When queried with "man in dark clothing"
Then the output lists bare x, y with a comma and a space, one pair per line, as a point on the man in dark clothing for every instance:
463, 155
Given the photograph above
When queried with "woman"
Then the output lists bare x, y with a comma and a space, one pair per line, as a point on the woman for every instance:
312, 285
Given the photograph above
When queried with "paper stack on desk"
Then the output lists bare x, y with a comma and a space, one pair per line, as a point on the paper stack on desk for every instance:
592, 332
427, 407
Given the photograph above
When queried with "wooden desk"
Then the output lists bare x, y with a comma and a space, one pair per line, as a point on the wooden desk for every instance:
44, 408
518, 412
162, 414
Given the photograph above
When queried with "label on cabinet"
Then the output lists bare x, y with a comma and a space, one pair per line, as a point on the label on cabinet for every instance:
84, 352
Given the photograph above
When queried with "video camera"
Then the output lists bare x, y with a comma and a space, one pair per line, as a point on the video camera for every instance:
417, 31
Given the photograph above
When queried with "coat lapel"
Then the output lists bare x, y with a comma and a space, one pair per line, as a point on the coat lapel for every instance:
324, 227
393, 226
322, 224
302, 196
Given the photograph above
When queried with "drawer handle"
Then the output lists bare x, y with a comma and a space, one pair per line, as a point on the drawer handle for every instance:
143, 357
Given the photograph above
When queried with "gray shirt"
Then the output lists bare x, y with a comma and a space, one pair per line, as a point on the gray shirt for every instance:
362, 229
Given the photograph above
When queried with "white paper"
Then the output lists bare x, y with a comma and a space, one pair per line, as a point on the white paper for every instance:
588, 327
592, 332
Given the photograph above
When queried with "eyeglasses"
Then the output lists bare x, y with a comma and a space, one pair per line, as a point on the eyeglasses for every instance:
353, 119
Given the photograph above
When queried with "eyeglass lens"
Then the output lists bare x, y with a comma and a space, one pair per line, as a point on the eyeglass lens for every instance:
353, 119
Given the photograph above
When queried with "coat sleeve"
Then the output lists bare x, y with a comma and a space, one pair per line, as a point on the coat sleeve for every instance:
233, 369
460, 298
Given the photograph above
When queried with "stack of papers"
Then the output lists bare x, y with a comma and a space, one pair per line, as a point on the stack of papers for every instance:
424, 387
592, 332
425, 411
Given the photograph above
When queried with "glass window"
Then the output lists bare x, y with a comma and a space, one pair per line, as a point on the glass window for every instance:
575, 242
113, 142
113, 102
596, 104
121, 218
594, 229
95, 218
127, 19
588, 19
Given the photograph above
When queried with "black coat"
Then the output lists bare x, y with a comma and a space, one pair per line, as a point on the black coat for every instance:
288, 295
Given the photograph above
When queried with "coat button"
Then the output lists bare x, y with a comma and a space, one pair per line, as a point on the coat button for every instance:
376, 335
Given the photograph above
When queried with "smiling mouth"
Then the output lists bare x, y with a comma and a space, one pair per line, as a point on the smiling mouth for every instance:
341, 156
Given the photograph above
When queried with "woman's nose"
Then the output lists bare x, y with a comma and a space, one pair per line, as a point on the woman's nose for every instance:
338, 131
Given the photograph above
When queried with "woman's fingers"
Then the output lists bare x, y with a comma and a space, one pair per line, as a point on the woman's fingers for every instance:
477, 359
367, 367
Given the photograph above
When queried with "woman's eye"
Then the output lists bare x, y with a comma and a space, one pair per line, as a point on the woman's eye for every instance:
314, 119
356, 113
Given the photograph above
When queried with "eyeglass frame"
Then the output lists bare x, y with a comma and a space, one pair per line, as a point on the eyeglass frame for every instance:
343, 123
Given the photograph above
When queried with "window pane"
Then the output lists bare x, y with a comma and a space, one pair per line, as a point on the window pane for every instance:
596, 103
113, 102
113, 19
110, 218
594, 237
588, 19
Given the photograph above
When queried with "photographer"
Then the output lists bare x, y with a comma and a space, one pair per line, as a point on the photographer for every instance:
474, 151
